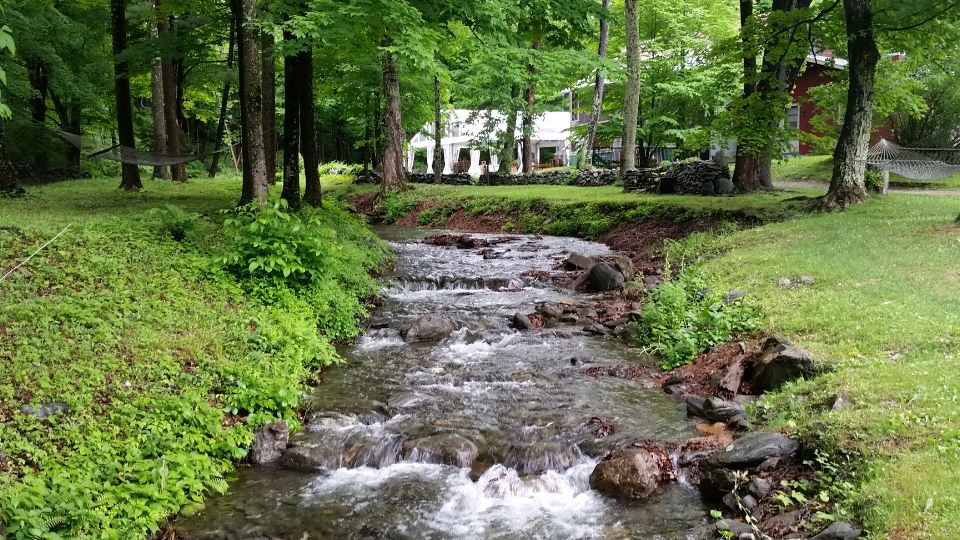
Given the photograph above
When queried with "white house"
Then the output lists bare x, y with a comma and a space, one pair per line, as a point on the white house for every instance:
551, 130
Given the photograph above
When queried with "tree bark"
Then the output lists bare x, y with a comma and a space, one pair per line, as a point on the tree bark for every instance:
509, 149
224, 102
178, 172
291, 129
313, 195
746, 171
393, 174
437, 132
118, 14
631, 105
8, 175
586, 157
156, 102
847, 186
270, 107
251, 106
528, 113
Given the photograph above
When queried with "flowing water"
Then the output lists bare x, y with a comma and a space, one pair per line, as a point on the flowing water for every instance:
484, 435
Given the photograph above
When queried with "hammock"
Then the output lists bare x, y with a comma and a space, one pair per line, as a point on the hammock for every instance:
924, 164
125, 154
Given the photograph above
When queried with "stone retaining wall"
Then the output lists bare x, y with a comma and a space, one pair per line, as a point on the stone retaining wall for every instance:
687, 178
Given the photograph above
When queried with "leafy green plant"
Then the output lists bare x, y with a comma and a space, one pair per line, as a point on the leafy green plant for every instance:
178, 223
685, 316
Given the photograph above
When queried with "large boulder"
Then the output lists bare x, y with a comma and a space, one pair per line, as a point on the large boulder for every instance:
429, 328
752, 450
635, 475
269, 442
442, 449
604, 277
779, 363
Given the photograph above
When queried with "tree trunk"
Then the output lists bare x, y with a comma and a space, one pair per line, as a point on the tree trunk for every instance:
631, 102
393, 174
270, 107
437, 132
308, 130
847, 186
224, 102
509, 149
74, 125
251, 106
40, 83
291, 129
178, 172
157, 104
118, 15
528, 113
8, 175
586, 156
746, 171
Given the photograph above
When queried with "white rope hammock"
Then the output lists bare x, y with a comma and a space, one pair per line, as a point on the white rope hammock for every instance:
924, 164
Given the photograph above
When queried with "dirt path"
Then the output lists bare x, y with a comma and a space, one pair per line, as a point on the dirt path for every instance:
892, 191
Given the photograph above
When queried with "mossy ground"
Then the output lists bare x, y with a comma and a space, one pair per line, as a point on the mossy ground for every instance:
166, 361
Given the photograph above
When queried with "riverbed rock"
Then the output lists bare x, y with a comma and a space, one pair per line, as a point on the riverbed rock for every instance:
441, 449
780, 363
429, 328
269, 442
303, 458
840, 530
717, 409
604, 277
694, 405
733, 526
625, 266
550, 311
717, 483
760, 487
540, 457
635, 475
578, 260
753, 449
779, 525
522, 322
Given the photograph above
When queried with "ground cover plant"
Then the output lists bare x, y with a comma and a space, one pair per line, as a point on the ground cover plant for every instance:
149, 324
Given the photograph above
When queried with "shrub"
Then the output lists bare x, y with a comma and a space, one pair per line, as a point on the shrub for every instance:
179, 224
684, 317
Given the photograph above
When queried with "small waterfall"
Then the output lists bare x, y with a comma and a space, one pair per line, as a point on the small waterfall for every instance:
452, 283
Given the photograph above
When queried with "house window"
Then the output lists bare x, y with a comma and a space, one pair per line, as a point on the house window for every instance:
793, 116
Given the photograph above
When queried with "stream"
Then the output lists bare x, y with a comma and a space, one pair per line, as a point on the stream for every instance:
484, 435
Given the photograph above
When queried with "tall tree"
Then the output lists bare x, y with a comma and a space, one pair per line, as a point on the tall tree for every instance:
746, 171
508, 150
118, 17
269, 73
156, 103
586, 155
528, 114
251, 105
178, 172
291, 127
313, 194
437, 132
631, 102
393, 174
224, 103
847, 185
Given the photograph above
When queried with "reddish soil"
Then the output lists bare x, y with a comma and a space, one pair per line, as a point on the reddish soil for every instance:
490, 223
364, 204
641, 237
697, 374
410, 218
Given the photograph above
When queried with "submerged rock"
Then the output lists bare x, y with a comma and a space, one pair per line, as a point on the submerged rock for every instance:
604, 277
541, 457
522, 322
269, 442
442, 449
429, 328
635, 475
752, 450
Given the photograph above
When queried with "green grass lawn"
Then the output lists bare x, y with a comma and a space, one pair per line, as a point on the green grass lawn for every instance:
165, 357
820, 168
883, 314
